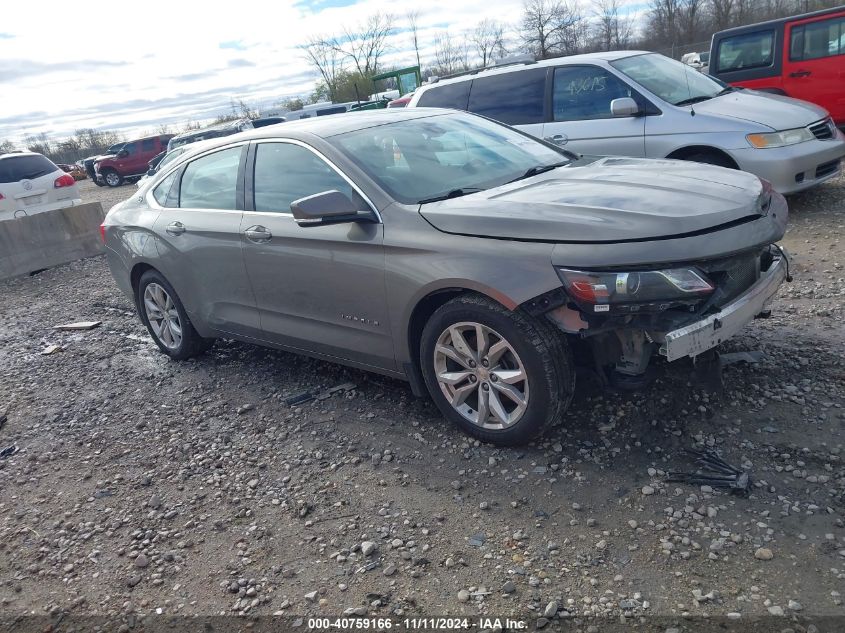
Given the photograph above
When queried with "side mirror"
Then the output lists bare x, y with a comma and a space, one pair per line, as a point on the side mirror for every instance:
625, 106
328, 207
151, 171
122, 153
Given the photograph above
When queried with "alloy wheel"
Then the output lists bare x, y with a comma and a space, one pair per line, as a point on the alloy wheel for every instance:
163, 316
112, 179
481, 375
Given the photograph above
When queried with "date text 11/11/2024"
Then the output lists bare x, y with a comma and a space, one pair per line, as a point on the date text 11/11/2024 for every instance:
415, 624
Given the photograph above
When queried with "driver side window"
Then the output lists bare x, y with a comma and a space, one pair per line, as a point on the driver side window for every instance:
285, 172
585, 92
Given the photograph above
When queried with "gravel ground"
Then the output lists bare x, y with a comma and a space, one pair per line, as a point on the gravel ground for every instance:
143, 485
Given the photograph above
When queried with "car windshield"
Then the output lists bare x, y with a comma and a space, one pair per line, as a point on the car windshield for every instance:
420, 160
670, 80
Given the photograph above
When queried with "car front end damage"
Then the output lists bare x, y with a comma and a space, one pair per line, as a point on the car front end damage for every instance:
623, 318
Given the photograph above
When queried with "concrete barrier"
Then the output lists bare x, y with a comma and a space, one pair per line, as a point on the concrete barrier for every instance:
48, 239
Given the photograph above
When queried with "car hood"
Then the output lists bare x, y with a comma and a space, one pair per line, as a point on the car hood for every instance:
609, 200
774, 111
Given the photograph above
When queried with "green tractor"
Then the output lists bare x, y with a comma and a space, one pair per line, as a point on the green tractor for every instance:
407, 80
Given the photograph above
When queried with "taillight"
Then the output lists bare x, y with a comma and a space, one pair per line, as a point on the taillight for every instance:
65, 180
103, 233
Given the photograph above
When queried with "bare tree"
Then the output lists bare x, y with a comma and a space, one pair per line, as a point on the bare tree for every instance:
690, 15
366, 44
413, 17
611, 31
449, 57
6, 147
488, 39
324, 55
721, 13
550, 27
663, 21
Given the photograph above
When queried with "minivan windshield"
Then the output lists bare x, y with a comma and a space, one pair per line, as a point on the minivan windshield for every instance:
669, 79
445, 156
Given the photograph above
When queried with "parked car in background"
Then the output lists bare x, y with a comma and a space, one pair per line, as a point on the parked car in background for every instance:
268, 120
635, 103
31, 183
214, 131
801, 56
88, 163
131, 161
696, 60
77, 171
462, 255
401, 102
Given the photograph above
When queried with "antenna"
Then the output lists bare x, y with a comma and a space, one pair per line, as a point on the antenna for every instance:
689, 90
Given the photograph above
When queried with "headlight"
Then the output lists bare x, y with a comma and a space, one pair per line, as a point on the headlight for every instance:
780, 139
639, 291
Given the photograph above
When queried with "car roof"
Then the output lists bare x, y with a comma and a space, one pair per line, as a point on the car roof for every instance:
777, 21
333, 124
18, 153
607, 56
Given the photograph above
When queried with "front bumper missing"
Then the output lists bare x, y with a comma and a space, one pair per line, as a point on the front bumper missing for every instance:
706, 334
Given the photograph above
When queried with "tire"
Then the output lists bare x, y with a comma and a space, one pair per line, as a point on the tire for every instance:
112, 178
710, 158
175, 335
98, 183
532, 360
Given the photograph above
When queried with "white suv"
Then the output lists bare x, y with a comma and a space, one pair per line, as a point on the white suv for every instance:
31, 183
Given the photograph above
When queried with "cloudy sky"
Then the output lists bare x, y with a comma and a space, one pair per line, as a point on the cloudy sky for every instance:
68, 65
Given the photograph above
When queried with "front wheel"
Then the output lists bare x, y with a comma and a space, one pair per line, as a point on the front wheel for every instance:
501, 375
166, 319
112, 178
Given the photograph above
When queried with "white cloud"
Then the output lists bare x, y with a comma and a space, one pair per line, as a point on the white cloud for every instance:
163, 59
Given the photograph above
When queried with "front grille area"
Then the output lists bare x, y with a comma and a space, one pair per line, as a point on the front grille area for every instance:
823, 130
733, 275
825, 169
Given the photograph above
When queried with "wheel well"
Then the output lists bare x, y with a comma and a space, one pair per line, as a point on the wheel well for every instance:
135, 278
685, 152
427, 306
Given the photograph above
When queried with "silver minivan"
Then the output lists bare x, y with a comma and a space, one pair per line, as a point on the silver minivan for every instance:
635, 103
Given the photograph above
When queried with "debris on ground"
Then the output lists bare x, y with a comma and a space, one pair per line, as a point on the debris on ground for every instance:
714, 471
78, 326
51, 349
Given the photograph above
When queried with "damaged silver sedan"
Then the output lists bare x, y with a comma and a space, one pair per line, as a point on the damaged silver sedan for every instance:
472, 260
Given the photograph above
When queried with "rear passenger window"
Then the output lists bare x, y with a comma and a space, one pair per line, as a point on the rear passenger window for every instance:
749, 50
160, 193
585, 92
514, 98
453, 96
285, 172
825, 38
211, 182
148, 144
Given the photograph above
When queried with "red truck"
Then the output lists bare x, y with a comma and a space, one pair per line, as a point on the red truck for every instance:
802, 56
130, 163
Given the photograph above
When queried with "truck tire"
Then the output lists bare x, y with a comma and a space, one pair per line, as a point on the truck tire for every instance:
112, 178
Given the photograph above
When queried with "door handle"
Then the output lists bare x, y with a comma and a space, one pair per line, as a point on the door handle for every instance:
558, 139
258, 233
175, 228
801, 73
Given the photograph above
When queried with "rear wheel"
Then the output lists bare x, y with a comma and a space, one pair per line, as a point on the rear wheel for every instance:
501, 376
112, 178
166, 319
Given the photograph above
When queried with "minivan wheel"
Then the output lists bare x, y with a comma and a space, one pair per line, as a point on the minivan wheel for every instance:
166, 320
501, 375
112, 178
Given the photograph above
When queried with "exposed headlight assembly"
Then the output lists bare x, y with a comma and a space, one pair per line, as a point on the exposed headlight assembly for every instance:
780, 139
637, 291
